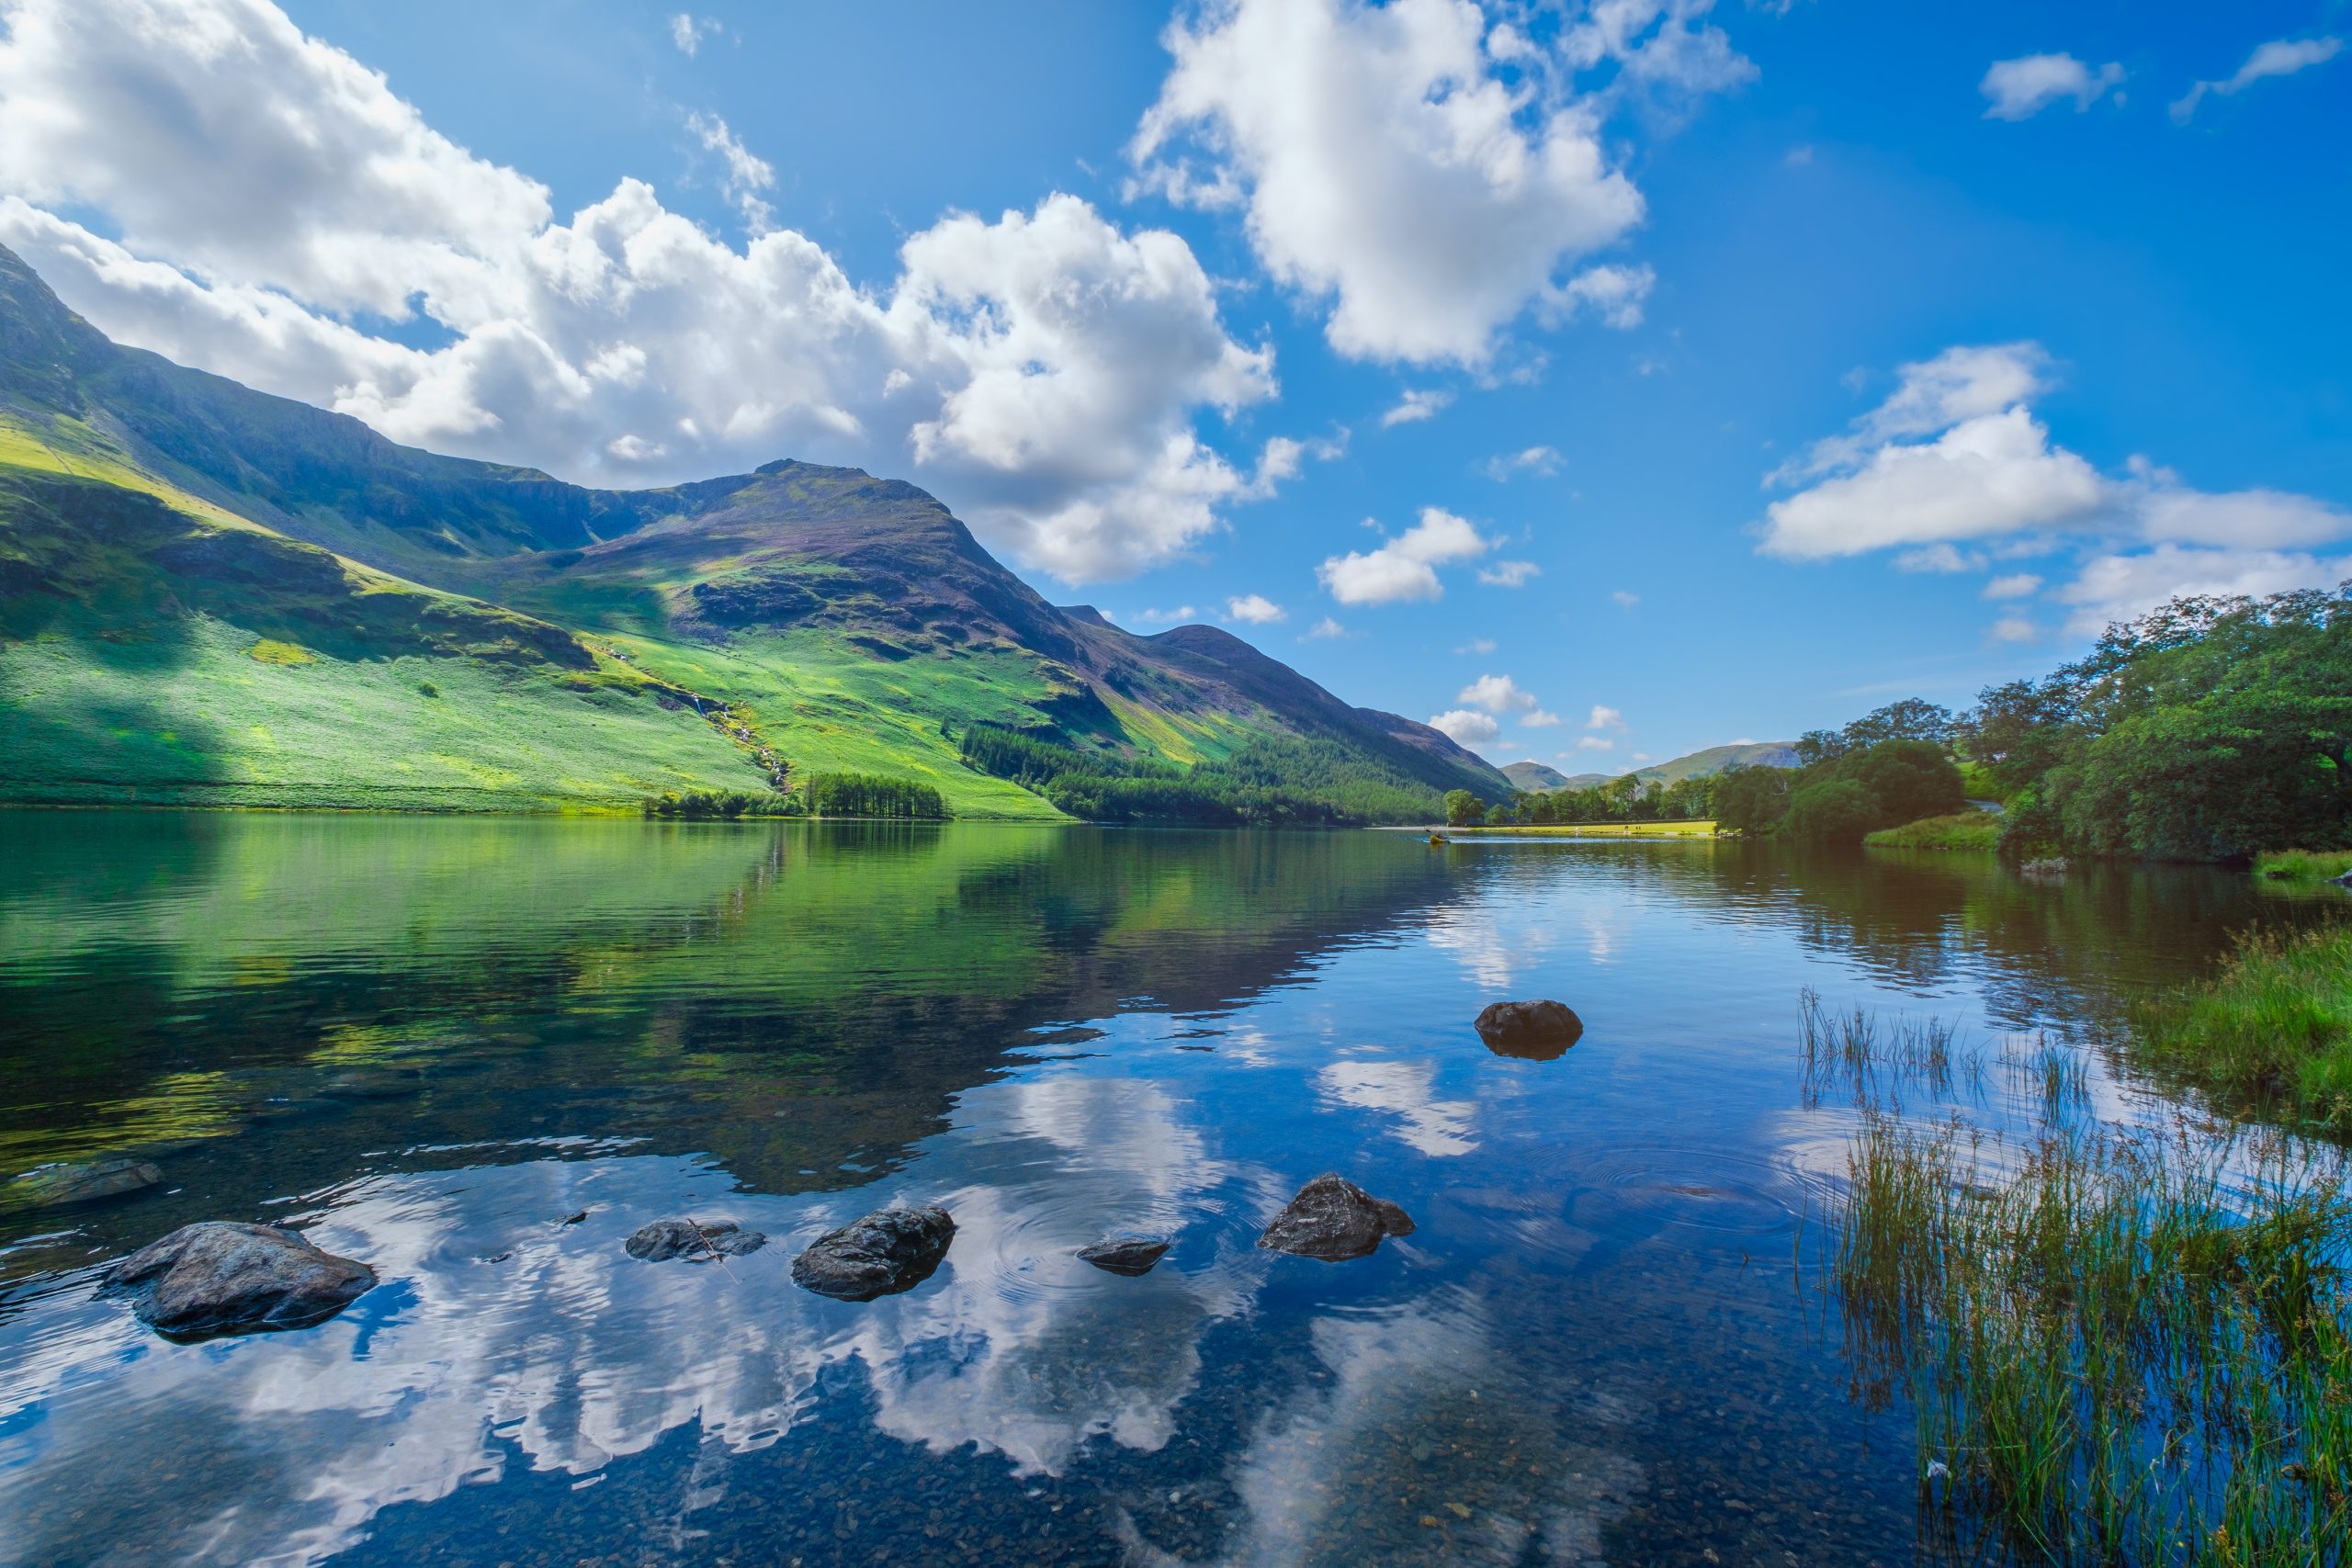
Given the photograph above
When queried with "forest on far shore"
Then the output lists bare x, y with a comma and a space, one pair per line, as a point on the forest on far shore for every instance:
2212, 728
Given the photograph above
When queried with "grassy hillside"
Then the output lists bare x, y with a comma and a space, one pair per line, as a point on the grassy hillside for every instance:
211, 594
1533, 776
1715, 758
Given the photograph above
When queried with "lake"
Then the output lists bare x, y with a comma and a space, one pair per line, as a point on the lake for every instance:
431, 1042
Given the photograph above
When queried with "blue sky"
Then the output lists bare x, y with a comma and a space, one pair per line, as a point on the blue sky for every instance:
1770, 361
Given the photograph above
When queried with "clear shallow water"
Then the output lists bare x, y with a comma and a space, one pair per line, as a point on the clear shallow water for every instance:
430, 1040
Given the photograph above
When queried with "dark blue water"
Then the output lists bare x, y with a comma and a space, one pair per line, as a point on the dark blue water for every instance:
429, 1041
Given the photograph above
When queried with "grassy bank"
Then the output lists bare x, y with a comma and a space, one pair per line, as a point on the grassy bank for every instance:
2304, 865
1696, 829
2275, 1024
1961, 830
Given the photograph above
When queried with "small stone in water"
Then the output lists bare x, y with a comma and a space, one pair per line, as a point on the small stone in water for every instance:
1126, 1254
1332, 1218
1536, 1031
221, 1277
56, 1186
879, 1254
665, 1239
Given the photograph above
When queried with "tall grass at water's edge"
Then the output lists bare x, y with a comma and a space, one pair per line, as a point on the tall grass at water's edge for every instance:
2304, 865
2274, 1024
1961, 830
2120, 1347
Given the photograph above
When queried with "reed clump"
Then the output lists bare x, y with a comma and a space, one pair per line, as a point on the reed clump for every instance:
2121, 1346
1851, 1053
2273, 1025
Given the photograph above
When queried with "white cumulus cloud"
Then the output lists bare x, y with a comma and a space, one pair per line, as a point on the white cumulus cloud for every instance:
1496, 694
2023, 87
1417, 404
1541, 461
747, 174
1466, 727
1406, 567
1604, 718
272, 212
1394, 161
1509, 573
1955, 458
1253, 609
2280, 57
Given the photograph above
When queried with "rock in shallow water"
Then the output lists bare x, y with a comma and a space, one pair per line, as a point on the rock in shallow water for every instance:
879, 1255
220, 1276
696, 1243
1537, 1032
55, 1186
1332, 1218
1125, 1253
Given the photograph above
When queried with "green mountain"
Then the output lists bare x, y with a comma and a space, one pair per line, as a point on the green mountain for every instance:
1534, 777
211, 594
1715, 758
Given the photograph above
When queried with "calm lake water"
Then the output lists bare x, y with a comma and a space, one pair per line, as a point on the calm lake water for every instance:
428, 1041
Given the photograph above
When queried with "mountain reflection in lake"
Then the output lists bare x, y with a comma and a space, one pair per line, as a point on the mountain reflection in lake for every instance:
431, 1042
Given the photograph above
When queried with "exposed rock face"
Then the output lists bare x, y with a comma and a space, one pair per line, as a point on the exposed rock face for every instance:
879, 1255
1332, 1218
220, 1276
665, 1239
1125, 1253
1538, 1031
54, 1186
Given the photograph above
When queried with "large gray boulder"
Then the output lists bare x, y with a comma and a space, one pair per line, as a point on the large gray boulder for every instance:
1537, 1032
220, 1276
878, 1255
1332, 1218
55, 1186
693, 1241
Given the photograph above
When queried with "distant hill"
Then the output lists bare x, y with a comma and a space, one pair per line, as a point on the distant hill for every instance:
1534, 777
1715, 758
209, 594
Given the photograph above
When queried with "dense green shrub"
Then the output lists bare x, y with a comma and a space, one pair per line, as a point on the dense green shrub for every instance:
728, 804
1833, 811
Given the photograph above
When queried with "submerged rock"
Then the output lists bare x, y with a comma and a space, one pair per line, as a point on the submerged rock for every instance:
2054, 865
221, 1277
55, 1186
692, 1240
1332, 1218
1125, 1253
879, 1255
1538, 1031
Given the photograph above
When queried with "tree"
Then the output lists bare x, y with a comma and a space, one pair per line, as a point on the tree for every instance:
1833, 811
1750, 800
1910, 779
1462, 807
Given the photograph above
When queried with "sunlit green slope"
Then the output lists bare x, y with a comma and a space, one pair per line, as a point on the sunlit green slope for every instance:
208, 594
